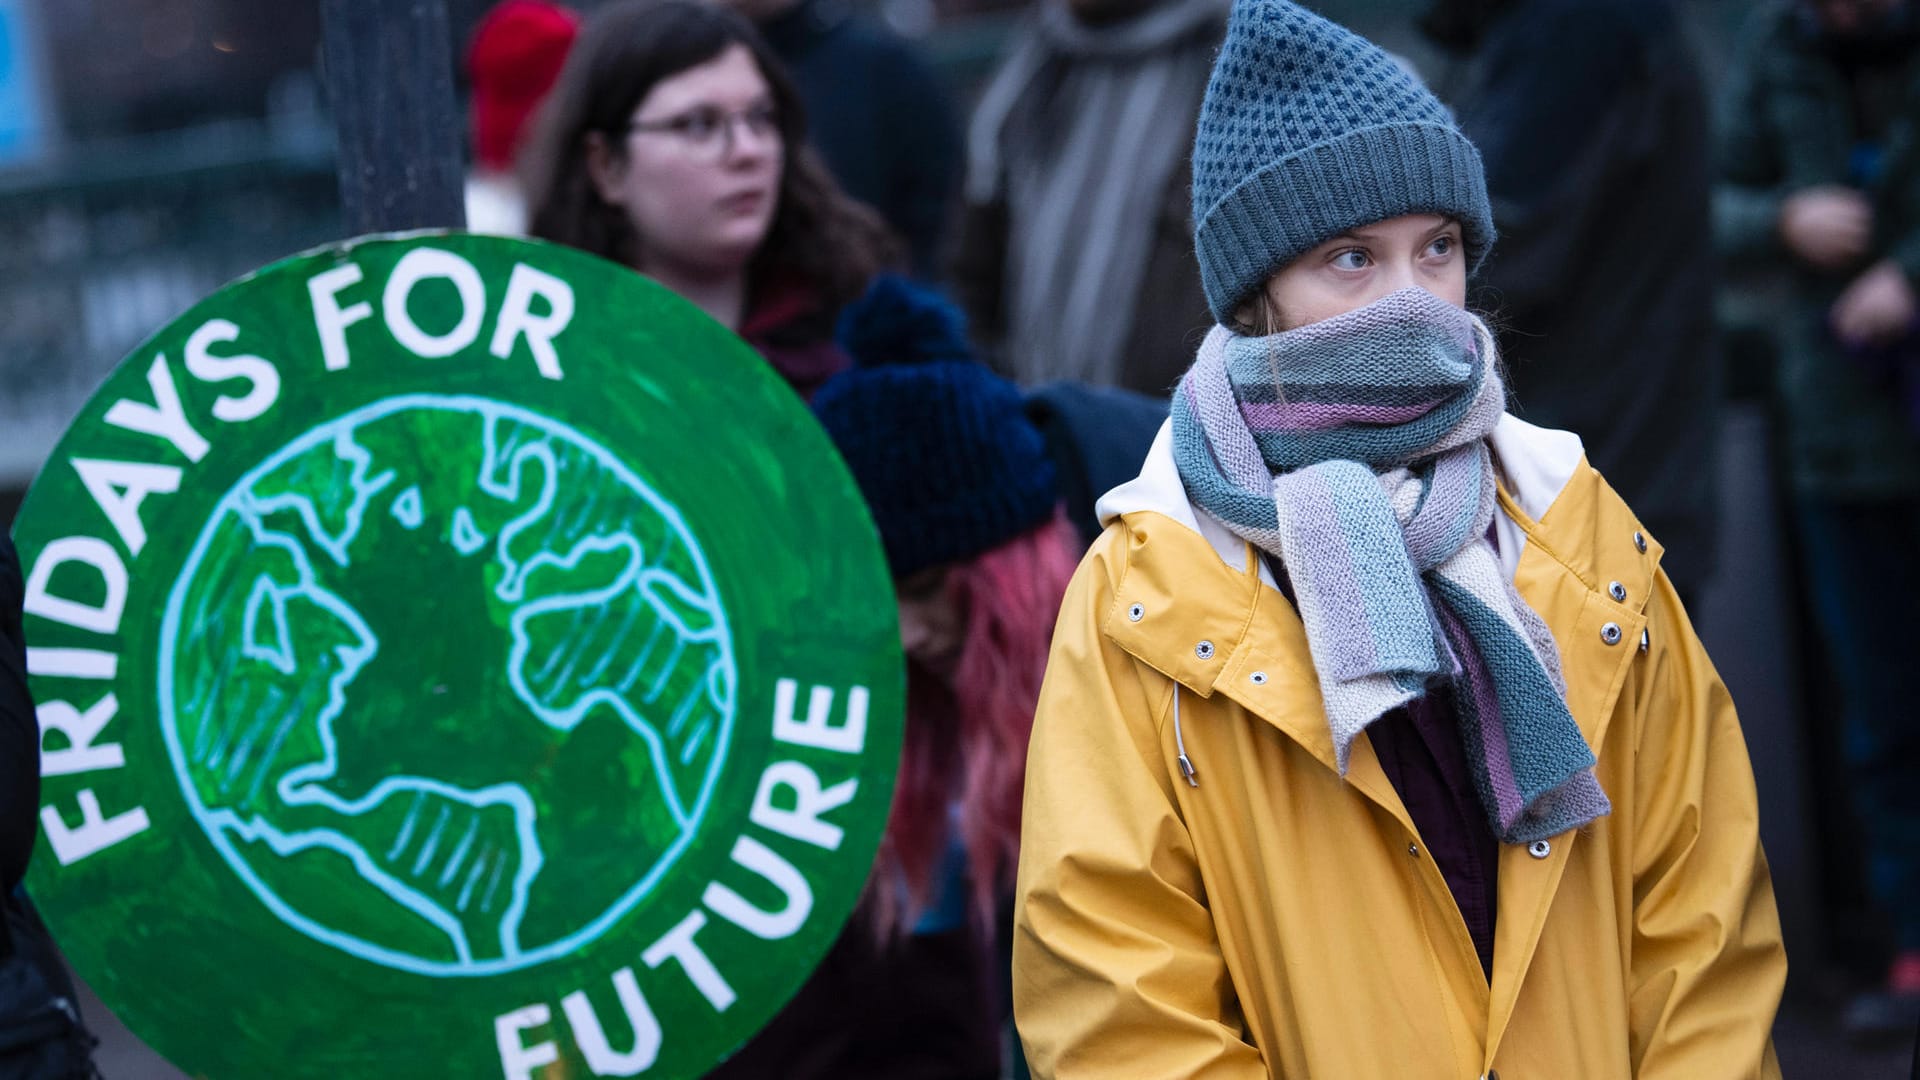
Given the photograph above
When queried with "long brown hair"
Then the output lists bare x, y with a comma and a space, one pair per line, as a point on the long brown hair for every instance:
819, 235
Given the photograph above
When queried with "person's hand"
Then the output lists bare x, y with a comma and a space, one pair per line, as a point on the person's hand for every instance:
1877, 308
1827, 227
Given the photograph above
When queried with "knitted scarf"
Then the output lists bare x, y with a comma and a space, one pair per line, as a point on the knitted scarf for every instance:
1355, 451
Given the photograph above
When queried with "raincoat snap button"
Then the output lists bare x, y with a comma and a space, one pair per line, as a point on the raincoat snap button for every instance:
1136, 613
1259, 678
1539, 849
1645, 640
1413, 849
1204, 650
1610, 633
1640, 541
1618, 592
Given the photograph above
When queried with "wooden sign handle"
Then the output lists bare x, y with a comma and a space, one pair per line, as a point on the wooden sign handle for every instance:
389, 77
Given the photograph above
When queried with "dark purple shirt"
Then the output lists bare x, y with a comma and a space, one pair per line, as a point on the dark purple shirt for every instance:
1420, 750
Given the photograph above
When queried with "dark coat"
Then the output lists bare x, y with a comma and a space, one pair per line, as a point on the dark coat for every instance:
879, 116
19, 731
921, 1008
1096, 436
1594, 127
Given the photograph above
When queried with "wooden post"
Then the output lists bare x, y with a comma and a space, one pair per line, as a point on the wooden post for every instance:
389, 74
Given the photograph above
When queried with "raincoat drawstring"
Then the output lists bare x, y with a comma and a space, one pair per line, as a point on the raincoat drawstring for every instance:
1180, 744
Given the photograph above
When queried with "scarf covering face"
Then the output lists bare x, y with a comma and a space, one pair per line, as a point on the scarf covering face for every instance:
1355, 451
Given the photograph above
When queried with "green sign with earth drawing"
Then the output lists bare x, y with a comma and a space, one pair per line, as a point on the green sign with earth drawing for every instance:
456, 656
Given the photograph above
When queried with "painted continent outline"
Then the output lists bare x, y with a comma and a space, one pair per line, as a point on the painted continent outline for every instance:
449, 859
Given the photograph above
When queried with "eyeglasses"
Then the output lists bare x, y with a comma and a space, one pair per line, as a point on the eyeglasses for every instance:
709, 131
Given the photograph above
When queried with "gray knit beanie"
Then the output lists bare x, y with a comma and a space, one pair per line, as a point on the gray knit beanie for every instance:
1309, 130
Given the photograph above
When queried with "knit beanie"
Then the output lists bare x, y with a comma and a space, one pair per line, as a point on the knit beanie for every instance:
1308, 130
514, 57
941, 447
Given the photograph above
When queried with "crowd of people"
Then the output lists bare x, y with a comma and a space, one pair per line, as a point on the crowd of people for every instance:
1074, 227
1294, 513
1821, 172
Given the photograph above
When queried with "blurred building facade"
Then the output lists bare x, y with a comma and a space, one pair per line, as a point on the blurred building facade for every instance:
179, 143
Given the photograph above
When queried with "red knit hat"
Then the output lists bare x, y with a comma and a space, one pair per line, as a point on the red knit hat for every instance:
513, 59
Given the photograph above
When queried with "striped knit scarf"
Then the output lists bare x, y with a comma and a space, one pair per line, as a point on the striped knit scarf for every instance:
1082, 132
1355, 451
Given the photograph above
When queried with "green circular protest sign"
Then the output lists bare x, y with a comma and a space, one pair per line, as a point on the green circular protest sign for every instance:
456, 656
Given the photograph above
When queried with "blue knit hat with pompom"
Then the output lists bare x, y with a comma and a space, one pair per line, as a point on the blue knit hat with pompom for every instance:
1308, 130
941, 447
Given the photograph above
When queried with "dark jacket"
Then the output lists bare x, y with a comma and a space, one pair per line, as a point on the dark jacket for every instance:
1594, 128
921, 1008
876, 112
1799, 115
19, 731
1096, 436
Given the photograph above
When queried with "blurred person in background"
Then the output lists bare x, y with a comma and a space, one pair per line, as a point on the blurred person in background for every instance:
675, 144
19, 736
1594, 126
513, 58
1374, 741
1821, 163
41, 1034
881, 119
1076, 259
965, 498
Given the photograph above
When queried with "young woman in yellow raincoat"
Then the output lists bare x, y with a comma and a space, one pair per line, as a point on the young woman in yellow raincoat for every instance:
1374, 741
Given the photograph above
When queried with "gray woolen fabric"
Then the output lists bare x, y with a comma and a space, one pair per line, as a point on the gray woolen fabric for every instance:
1080, 134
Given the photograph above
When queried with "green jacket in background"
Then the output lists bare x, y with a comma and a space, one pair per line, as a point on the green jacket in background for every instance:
1793, 120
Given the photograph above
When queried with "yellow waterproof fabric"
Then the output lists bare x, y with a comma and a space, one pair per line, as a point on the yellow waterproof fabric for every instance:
1278, 920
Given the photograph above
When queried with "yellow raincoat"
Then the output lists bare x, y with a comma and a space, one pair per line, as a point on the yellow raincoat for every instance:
1279, 920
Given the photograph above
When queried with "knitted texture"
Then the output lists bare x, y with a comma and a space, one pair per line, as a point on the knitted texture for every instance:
941, 447
899, 322
1308, 130
1354, 450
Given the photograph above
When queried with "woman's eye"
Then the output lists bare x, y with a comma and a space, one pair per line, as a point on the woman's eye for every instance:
763, 119
1442, 246
698, 125
1351, 259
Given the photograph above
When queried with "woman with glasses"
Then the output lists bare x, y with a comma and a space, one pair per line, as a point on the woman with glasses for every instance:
674, 143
